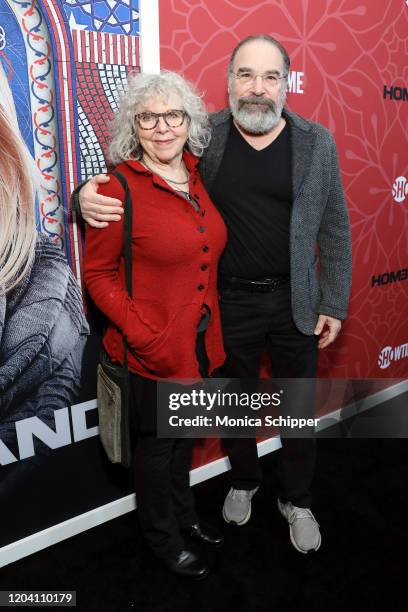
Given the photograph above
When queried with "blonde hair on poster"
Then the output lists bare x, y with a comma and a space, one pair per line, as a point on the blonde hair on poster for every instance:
18, 183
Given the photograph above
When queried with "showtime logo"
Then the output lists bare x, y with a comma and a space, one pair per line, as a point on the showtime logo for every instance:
395, 93
295, 82
400, 189
389, 354
389, 277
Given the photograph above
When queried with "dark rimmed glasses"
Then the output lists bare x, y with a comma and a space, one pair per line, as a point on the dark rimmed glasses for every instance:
173, 118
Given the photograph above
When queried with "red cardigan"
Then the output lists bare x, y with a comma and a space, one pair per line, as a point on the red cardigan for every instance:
175, 256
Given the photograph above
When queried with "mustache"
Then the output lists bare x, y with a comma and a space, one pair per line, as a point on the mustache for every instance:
257, 100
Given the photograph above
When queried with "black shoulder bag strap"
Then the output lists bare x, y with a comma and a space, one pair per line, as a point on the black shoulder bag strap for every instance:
127, 249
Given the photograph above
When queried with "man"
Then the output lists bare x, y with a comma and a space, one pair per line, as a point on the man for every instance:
275, 178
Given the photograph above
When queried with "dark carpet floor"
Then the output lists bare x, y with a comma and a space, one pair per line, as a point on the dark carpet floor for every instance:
361, 503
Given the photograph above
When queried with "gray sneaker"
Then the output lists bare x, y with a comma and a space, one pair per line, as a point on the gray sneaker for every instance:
303, 527
237, 506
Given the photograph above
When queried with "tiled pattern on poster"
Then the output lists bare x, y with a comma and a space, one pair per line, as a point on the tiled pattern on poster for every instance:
117, 17
98, 86
72, 56
27, 59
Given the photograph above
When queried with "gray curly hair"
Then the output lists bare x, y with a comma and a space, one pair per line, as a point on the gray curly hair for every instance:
142, 87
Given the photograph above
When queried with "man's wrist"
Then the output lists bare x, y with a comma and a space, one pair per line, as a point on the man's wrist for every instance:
334, 313
75, 203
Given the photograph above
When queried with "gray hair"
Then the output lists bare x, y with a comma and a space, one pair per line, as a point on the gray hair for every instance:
142, 87
265, 38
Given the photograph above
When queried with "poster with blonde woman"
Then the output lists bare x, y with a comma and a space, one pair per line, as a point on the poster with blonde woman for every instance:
42, 326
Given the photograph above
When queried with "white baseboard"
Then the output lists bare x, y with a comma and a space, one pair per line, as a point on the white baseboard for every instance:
77, 524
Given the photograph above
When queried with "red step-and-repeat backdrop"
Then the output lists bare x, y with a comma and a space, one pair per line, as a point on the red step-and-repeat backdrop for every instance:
348, 72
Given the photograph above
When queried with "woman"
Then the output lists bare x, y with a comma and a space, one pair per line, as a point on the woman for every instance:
172, 324
42, 326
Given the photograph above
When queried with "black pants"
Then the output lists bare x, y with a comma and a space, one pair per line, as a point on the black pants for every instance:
164, 498
252, 324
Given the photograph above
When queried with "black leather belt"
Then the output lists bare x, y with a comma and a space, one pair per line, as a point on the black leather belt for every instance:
263, 285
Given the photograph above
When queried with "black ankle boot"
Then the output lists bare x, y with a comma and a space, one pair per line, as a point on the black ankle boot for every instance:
187, 564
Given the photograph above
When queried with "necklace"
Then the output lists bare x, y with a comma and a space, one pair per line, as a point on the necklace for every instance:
190, 199
169, 180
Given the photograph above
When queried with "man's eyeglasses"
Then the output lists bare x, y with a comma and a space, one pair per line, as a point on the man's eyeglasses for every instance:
173, 118
269, 79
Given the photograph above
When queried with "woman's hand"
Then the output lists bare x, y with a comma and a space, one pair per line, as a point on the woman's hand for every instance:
96, 209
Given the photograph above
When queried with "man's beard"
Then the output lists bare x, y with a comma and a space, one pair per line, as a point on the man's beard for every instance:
259, 119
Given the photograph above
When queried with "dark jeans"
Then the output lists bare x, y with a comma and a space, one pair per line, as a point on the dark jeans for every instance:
165, 501
252, 324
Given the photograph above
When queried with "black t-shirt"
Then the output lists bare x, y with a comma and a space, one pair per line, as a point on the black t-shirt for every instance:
253, 192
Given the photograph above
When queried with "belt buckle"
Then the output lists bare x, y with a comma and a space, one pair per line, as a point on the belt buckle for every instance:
257, 287
271, 284
268, 285
262, 286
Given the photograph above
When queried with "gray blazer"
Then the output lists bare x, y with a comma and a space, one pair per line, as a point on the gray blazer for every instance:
319, 218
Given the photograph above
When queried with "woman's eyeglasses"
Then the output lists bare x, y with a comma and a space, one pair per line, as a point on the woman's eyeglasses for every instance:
173, 118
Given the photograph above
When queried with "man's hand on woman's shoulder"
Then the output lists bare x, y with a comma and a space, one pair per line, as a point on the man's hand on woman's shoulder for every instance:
97, 209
